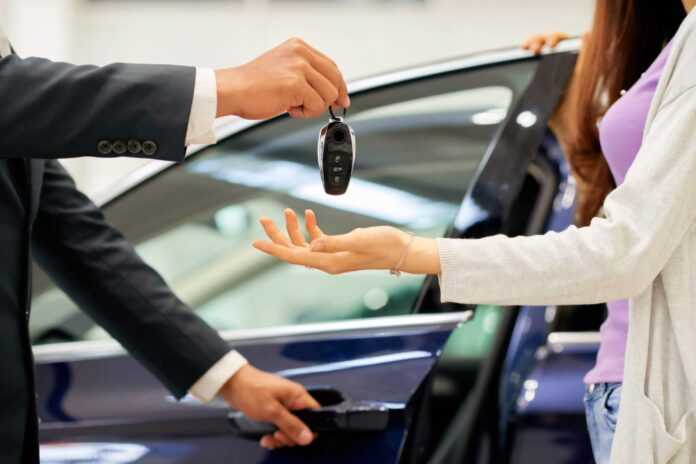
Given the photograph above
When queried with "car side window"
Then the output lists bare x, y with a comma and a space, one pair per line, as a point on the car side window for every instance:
419, 145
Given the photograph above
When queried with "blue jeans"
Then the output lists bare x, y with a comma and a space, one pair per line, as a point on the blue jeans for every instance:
601, 410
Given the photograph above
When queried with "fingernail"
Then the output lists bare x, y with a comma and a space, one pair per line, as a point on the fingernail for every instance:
318, 247
305, 437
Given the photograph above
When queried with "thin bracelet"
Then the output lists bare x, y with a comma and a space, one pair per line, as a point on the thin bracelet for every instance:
396, 269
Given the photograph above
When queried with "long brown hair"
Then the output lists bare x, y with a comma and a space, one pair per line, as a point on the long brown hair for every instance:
626, 37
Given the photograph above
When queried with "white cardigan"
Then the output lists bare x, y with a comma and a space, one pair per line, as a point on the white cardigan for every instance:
644, 249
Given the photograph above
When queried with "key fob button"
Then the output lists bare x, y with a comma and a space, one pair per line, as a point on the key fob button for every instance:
338, 158
336, 181
337, 169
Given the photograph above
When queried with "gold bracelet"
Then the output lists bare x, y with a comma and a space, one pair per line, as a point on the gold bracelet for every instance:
396, 269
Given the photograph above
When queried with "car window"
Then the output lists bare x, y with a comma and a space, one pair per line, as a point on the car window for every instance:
419, 145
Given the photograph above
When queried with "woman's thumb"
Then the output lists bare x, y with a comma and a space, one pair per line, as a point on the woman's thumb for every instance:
318, 245
330, 244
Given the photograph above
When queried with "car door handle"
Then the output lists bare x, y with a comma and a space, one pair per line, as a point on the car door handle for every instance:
337, 414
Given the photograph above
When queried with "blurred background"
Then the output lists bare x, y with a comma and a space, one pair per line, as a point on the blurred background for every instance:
363, 36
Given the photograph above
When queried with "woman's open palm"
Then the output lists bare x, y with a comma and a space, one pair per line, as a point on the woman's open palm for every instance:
369, 248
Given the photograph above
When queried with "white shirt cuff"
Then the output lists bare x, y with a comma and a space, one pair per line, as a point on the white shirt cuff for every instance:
203, 108
208, 386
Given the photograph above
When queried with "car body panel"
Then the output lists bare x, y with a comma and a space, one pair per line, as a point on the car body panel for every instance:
82, 405
543, 387
550, 421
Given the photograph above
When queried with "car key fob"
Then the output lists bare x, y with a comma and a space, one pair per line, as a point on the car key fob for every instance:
336, 154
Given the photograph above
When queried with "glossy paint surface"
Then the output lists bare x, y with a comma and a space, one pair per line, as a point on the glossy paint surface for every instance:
550, 421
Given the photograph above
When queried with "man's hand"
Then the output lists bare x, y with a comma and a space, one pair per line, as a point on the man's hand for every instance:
293, 77
268, 398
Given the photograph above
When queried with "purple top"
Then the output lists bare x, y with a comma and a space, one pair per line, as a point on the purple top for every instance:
621, 135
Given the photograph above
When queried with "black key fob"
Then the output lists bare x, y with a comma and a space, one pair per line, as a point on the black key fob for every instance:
336, 155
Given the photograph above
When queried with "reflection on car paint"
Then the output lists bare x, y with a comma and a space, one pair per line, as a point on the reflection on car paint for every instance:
354, 363
83, 453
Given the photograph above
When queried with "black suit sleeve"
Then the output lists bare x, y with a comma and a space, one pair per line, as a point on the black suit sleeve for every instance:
102, 273
59, 110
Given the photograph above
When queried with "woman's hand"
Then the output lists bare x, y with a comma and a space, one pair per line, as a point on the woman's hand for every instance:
564, 117
536, 43
360, 249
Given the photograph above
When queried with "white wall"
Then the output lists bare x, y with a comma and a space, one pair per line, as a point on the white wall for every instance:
363, 38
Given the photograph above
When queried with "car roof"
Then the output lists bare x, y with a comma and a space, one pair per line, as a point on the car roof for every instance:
228, 126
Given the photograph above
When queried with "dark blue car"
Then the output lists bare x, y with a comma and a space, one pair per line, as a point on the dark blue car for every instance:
459, 148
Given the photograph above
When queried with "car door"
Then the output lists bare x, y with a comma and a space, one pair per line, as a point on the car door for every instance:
549, 411
522, 189
357, 340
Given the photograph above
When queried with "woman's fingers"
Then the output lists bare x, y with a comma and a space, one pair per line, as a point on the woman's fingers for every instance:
296, 235
556, 38
274, 232
525, 44
300, 256
332, 263
536, 43
311, 225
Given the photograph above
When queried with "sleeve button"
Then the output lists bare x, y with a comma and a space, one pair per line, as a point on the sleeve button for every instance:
134, 147
119, 147
149, 147
104, 147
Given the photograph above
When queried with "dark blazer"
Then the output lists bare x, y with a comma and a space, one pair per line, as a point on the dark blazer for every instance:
54, 110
